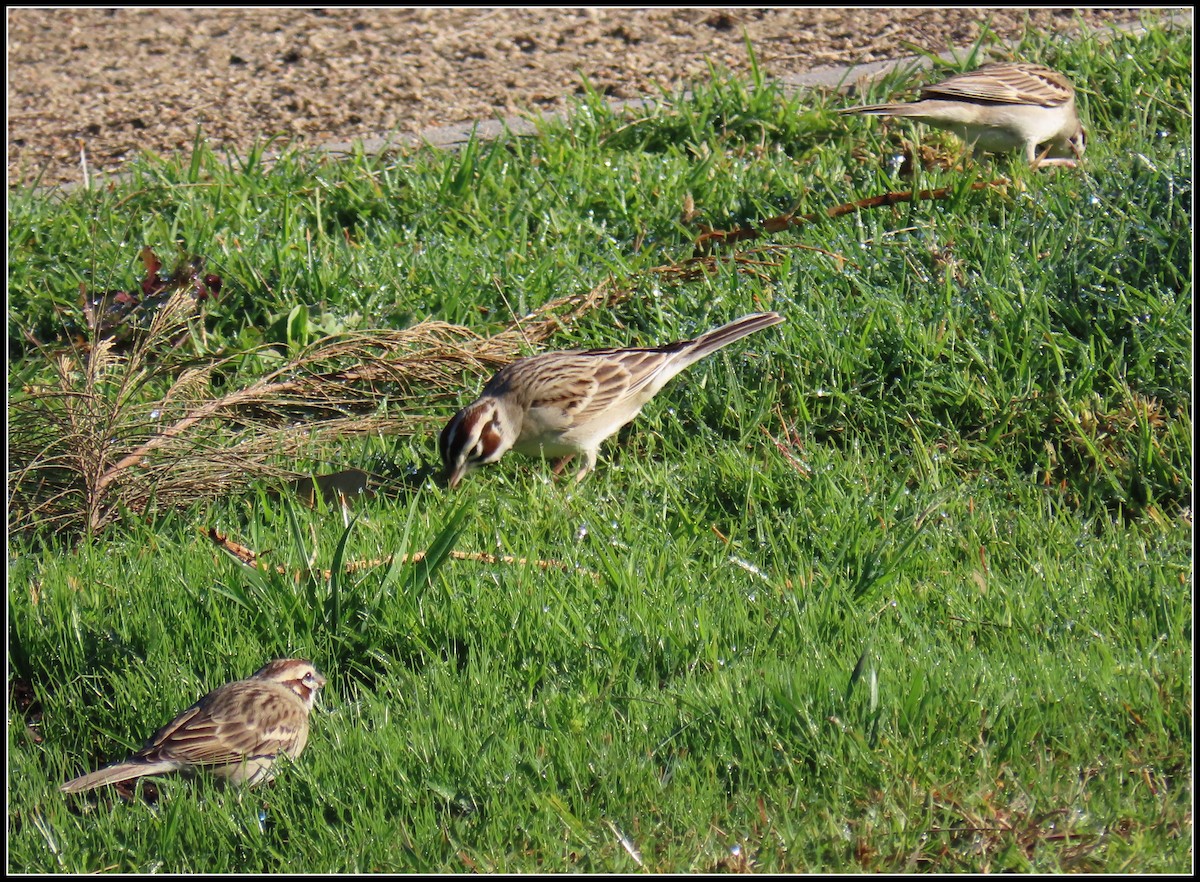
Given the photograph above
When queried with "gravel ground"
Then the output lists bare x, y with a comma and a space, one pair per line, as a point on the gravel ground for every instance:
109, 82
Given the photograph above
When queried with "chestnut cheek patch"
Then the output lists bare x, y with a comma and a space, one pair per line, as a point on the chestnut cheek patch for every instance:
489, 441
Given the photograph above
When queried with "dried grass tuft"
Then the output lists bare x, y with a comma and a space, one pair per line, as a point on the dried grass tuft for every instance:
152, 427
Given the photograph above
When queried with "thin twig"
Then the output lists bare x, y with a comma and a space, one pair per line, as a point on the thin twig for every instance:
710, 238
253, 559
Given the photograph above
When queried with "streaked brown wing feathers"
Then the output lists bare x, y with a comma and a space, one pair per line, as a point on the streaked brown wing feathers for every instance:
599, 380
568, 386
221, 729
1005, 83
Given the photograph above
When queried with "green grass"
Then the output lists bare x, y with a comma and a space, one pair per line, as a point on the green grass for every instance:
904, 583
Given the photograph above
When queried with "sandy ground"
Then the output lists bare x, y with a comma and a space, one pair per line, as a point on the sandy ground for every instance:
101, 84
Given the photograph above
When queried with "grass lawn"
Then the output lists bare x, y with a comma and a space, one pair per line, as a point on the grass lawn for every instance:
903, 583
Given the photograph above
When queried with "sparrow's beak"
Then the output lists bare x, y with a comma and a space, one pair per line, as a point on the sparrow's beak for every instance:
455, 475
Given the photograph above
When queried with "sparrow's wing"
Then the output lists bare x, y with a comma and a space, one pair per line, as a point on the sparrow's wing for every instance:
567, 388
582, 384
240, 720
1005, 83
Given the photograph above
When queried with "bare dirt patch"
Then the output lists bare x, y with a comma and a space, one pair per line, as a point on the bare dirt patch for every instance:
106, 83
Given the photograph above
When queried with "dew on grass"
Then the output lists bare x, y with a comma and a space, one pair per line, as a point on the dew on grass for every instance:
581, 532
748, 567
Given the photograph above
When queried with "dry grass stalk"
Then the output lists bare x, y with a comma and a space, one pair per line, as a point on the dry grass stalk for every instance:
150, 428
710, 239
251, 558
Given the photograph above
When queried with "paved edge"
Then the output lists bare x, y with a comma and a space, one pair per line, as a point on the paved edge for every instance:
845, 78
837, 78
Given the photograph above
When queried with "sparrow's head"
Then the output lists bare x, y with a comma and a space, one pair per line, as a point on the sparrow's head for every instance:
296, 674
474, 436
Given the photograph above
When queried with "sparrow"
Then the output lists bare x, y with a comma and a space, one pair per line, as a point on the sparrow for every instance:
999, 108
235, 732
559, 404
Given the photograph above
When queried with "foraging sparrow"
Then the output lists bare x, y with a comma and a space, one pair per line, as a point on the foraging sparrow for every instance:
563, 403
1001, 107
235, 731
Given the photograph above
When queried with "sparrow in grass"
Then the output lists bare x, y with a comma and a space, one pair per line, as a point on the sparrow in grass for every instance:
999, 108
559, 404
236, 732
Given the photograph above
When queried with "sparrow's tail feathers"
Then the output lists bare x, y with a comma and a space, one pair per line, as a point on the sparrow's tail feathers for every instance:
117, 773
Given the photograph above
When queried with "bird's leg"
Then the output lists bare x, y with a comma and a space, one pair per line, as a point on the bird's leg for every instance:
588, 465
1042, 160
1057, 161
